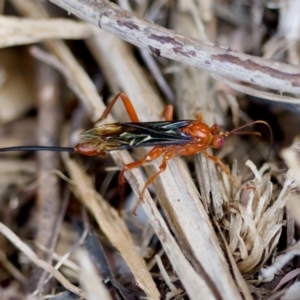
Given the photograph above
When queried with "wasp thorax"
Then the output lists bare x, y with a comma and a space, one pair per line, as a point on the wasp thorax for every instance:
198, 130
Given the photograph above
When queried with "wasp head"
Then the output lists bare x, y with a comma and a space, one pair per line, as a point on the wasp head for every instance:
218, 136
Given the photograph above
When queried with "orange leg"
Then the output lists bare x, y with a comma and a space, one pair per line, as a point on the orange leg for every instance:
168, 112
128, 106
192, 150
200, 117
152, 155
162, 168
223, 167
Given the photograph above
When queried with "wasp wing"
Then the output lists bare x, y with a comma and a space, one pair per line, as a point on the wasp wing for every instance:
165, 133
120, 136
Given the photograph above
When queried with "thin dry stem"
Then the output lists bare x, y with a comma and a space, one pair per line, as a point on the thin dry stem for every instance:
21, 31
48, 193
93, 284
39, 262
113, 227
163, 42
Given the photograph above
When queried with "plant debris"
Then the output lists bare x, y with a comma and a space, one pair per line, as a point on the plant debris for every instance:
198, 234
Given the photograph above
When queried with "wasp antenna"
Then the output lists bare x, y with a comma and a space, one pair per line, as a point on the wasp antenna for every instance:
235, 131
248, 132
37, 148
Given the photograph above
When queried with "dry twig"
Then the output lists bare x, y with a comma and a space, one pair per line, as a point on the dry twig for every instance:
163, 42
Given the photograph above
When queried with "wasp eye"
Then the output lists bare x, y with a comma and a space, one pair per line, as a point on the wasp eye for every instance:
220, 142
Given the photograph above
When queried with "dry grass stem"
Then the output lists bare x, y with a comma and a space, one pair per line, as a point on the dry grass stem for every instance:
22, 31
282, 260
258, 93
291, 158
64, 260
49, 214
113, 227
165, 275
90, 279
11, 268
39, 262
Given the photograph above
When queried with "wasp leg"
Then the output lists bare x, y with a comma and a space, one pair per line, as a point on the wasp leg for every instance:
128, 106
223, 167
168, 112
162, 168
152, 155
200, 117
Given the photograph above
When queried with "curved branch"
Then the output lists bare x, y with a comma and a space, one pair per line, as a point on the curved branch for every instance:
167, 43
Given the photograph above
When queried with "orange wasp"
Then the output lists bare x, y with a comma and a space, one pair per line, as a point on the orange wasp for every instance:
169, 138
